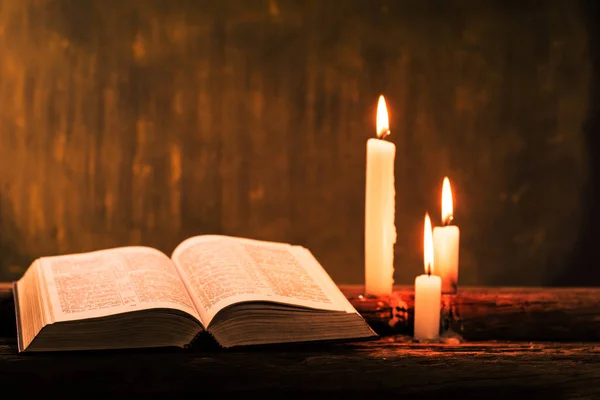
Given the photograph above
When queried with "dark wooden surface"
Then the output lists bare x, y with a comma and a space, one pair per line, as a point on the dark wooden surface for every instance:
147, 121
493, 313
467, 371
393, 365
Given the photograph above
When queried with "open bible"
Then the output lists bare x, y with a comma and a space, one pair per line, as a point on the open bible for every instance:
238, 291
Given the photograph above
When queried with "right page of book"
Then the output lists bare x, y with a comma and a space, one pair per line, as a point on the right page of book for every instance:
221, 270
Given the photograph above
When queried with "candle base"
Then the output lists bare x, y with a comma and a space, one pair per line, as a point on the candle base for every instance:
448, 312
447, 335
386, 315
394, 314
451, 337
426, 341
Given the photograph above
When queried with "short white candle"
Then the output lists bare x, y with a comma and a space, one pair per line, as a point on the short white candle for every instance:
446, 243
428, 291
380, 208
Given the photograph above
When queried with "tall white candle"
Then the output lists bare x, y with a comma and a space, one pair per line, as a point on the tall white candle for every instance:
428, 291
446, 243
380, 205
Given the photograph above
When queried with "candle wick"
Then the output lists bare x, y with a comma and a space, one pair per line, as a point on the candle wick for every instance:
448, 220
383, 135
428, 269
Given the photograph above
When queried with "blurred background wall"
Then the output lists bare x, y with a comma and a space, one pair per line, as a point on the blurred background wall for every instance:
145, 122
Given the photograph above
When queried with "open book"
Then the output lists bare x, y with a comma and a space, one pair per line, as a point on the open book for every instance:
239, 291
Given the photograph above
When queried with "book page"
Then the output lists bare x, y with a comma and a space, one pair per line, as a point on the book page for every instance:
112, 281
222, 270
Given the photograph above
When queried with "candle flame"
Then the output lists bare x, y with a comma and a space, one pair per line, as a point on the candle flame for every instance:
428, 246
383, 125
447, 206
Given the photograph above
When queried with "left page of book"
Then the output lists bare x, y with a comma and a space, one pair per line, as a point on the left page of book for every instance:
112, 281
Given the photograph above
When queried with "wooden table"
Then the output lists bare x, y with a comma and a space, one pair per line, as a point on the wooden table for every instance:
392, 365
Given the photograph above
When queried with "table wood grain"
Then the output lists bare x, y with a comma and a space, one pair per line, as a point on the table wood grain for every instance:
492, 313
490, 370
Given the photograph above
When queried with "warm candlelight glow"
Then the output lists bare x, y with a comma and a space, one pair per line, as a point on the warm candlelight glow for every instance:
383, 124
447, 212
428, 246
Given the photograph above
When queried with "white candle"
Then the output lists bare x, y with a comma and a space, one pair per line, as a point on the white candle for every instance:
428, 291
446, 243
380, 207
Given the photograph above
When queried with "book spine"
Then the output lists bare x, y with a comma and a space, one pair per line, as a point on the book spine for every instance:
203, 340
